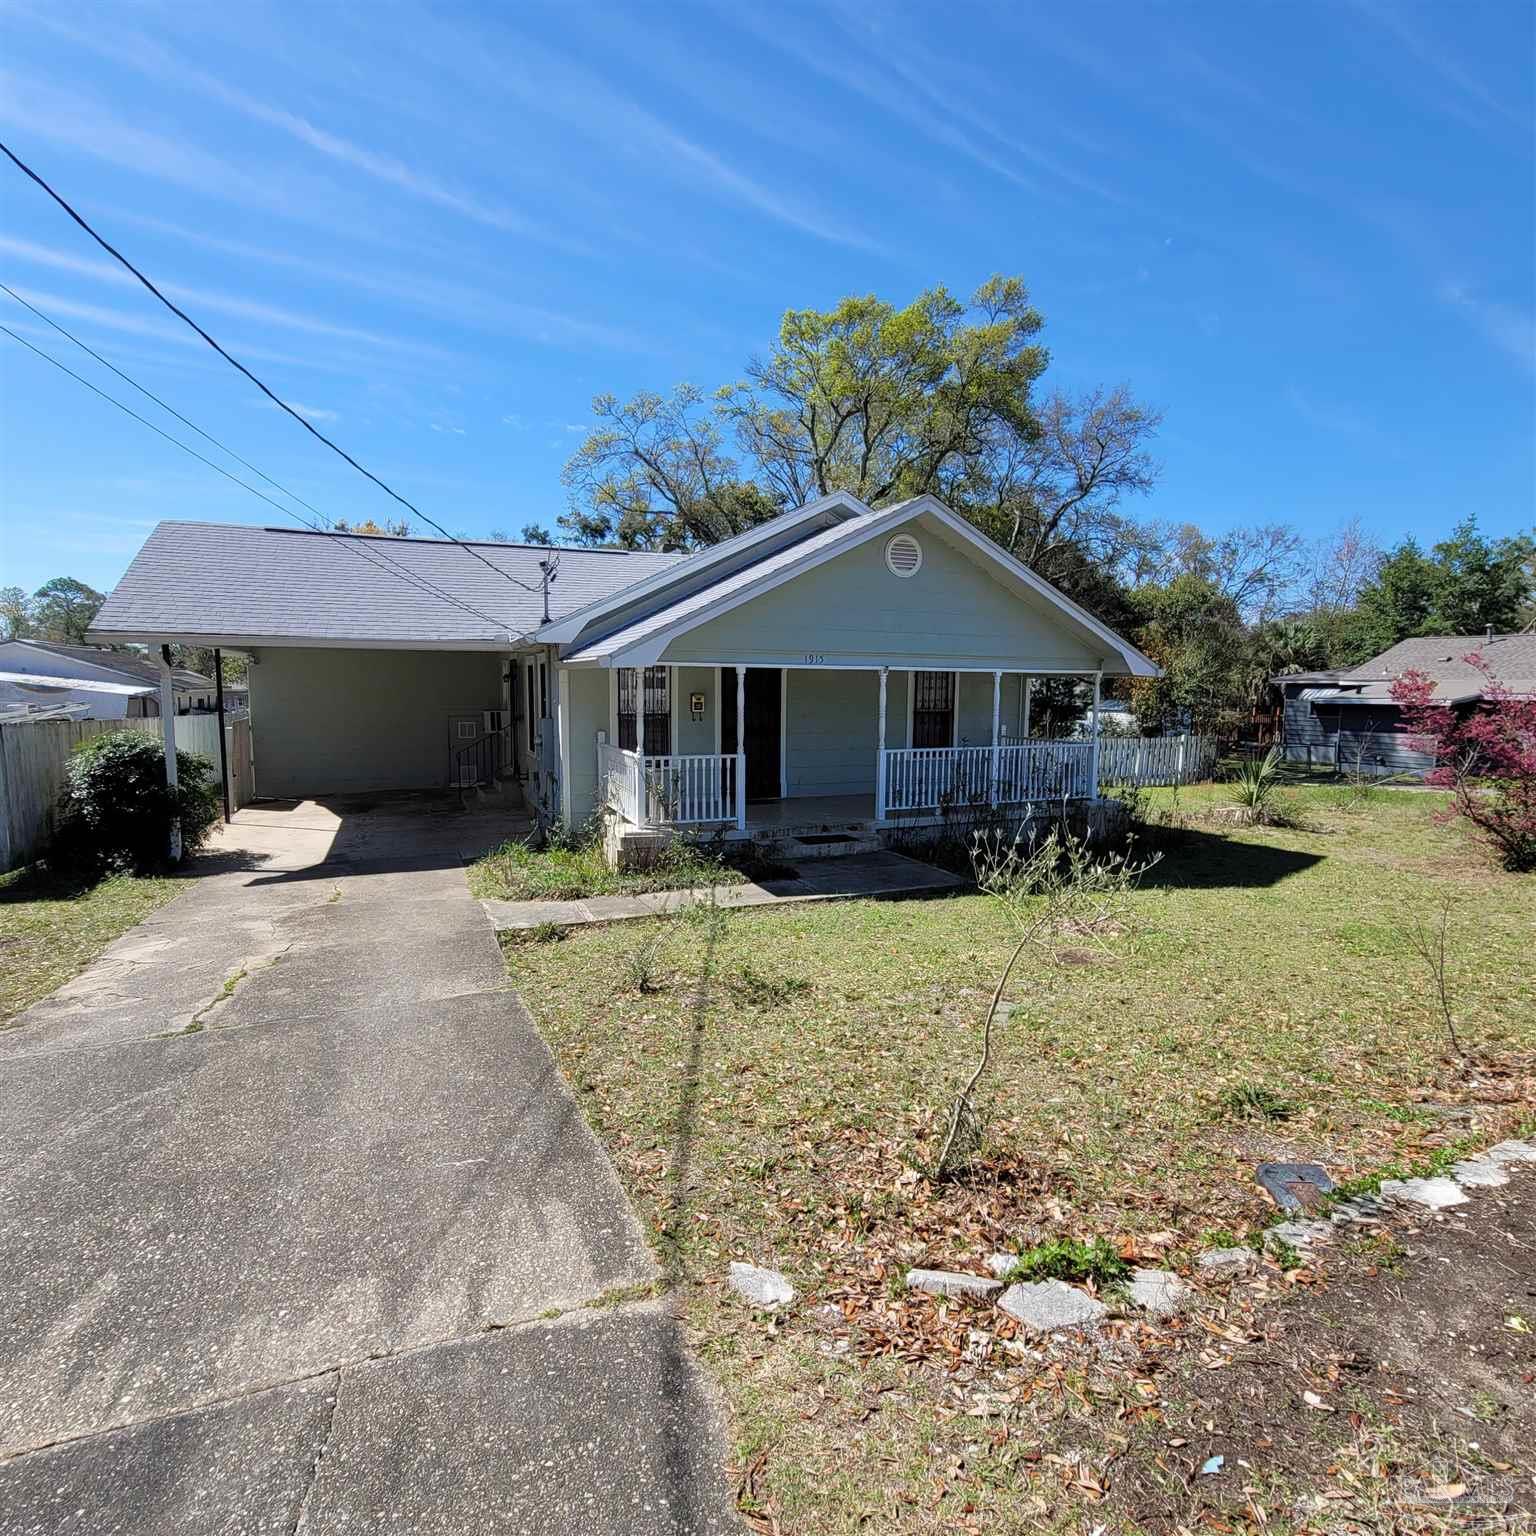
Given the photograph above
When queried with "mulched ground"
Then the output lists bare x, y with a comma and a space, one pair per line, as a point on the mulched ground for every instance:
1396, 1393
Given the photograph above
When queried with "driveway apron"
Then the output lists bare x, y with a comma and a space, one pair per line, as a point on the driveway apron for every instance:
302, 1226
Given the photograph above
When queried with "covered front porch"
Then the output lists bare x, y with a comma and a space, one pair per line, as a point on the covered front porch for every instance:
803, 749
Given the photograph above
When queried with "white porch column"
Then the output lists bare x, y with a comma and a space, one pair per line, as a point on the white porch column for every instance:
885, 674
1029, 689
1098, 683
168, 736
997, 729
741, 749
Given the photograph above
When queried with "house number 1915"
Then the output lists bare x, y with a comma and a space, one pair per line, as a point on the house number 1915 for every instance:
815, 659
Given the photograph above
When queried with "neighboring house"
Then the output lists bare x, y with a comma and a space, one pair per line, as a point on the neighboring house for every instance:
24, 701
838, 662
1349, 718
113, 685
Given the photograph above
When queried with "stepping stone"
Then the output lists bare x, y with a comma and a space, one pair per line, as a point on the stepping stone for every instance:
1436, 1194
762, 1287
1480, 1173
1513, 1152
1226, 1263
1158, 1290
1299, 1234
1294, 1186
1360, 1211
1048, 1306
949, 1282
1001, 1263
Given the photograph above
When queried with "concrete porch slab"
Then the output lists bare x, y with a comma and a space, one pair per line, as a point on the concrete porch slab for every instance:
867, 876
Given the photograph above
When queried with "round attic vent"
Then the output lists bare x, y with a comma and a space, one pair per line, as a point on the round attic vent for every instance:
904, 555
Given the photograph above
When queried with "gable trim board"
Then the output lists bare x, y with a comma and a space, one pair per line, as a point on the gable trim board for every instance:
645, 641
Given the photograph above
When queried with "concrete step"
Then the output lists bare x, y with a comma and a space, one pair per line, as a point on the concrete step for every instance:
829, 845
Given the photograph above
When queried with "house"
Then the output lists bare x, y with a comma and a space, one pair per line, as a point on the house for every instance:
1348, 719
112, 685
839, 664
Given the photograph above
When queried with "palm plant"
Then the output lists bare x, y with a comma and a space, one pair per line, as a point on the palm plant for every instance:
1254, 789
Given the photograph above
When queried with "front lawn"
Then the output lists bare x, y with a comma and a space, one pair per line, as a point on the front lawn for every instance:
50, 929
777, 1091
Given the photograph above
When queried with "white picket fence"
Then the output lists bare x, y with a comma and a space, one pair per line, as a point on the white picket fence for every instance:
33, 755
676, 790
1151, 760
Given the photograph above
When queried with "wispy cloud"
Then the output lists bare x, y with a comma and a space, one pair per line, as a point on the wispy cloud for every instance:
438, 426
1439, 59
161, 64
1511, 330
516, 422
308, 412
205, 299
473, 306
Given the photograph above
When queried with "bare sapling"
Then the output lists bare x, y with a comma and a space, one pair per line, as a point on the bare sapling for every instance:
1052, 887
1428, 941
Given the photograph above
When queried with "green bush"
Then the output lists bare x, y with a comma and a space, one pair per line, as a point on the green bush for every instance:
115, 810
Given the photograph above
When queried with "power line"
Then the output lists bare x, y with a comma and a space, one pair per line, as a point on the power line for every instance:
376, 556
234, 362
405, 575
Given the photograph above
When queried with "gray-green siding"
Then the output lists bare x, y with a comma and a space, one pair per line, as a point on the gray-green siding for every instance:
331, 722
852, 611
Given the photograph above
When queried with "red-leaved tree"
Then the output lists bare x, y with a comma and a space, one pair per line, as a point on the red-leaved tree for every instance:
1486, 758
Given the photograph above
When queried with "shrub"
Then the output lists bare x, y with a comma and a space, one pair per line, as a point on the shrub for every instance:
115, 810
1249, 1101
1487, 759
1254, 786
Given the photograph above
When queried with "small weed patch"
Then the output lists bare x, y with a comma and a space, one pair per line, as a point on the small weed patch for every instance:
1070, 1258
519, 871
1253, 1101
753, 989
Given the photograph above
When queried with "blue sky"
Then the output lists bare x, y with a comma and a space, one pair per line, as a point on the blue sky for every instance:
1305, 231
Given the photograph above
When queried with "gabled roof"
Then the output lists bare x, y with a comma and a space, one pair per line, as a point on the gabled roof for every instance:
640, 642
229, 584
140, 668
1441, 658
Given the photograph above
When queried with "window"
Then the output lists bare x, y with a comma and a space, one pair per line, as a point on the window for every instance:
933, 709
646, 696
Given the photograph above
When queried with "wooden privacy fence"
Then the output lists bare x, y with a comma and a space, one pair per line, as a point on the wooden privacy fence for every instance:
33, 755
1155, 760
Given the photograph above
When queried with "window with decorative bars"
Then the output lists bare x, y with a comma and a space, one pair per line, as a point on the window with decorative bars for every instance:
933, 709
646, 696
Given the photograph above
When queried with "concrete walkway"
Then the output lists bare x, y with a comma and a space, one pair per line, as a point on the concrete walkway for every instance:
301, 1226
868, 875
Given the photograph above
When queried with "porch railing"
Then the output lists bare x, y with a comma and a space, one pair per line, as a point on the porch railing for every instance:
929, 778
677, 790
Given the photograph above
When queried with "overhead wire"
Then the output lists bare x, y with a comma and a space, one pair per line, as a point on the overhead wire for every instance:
348, 542
235, 363
415, 577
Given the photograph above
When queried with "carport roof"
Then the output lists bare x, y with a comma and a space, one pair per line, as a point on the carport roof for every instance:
235, 585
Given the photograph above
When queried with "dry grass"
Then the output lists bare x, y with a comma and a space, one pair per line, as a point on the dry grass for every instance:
51, 929
793, 1132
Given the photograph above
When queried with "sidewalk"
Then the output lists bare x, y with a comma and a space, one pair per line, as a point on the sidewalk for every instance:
871, 876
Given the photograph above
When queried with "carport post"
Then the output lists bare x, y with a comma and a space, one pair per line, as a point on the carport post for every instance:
218, 683
168, 736
1098, 685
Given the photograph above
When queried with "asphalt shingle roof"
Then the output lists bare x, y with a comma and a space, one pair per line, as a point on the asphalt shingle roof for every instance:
194, 580
139, 667
1440, 657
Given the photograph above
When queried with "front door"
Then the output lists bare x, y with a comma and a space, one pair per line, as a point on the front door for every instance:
764, 700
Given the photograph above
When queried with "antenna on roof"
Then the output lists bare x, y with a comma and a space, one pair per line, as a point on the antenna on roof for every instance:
548, 567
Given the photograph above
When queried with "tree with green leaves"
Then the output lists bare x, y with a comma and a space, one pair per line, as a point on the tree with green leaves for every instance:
62, 610
15, 613
1466, 583
1195, 633
883, 402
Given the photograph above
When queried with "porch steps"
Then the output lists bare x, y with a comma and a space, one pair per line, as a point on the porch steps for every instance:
804, 843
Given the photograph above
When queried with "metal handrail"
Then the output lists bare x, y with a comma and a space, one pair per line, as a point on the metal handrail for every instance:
477, 762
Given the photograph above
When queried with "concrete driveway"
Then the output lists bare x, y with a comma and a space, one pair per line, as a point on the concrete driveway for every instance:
302, 1226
